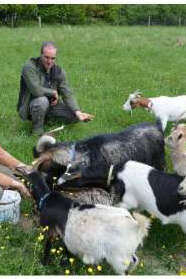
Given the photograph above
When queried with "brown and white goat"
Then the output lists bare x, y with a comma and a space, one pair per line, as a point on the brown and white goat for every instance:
163, 107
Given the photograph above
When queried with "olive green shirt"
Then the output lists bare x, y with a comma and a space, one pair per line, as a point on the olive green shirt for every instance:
33, 85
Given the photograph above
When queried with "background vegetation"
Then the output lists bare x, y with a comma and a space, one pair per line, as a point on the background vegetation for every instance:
17, 15
104, 64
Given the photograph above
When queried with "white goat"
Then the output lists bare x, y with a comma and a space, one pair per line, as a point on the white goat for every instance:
155, 191
164, 108
105, 232
92, 232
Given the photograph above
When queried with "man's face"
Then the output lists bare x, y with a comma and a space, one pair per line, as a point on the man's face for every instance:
48, 57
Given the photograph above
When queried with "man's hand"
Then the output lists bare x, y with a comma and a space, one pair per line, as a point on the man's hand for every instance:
54, 99
82, 116
22, 189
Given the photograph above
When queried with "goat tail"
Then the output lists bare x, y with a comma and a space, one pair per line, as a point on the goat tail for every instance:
159, 124
43, 143
143, 223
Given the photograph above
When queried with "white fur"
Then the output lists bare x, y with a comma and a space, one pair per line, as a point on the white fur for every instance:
44, 139
176, 141
182, 188
163, 107
105, 232
139, 194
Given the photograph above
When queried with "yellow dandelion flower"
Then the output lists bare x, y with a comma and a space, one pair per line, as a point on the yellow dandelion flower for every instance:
58, 252
40, 237
26, 215
2, 247
54, 178
61, 248
182, 273
67, 271
90, 270
99, 268
53, 251
126, 262
45, 229
71, 260
142, 264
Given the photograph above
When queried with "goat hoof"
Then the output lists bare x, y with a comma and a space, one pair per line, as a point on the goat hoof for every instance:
64, 262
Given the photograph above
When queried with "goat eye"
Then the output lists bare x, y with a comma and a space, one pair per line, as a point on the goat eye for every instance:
180, 136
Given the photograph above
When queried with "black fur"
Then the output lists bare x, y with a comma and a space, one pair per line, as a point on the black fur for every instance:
117, 190
54, 209
86, 206
142, 142
165, 189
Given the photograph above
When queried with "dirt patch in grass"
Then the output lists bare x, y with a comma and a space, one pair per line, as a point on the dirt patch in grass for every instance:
28, 223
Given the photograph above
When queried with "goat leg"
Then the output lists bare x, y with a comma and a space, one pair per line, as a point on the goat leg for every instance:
48, 245
64, 262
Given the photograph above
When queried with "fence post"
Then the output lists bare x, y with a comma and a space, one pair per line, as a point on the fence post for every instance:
39, 21
12, 20
149, 20
179, 20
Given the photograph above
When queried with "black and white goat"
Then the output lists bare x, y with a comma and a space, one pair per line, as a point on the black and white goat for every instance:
92, 232
163, 107
154, 191
90, 160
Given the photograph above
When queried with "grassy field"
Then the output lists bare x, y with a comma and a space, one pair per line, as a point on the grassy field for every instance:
103, 65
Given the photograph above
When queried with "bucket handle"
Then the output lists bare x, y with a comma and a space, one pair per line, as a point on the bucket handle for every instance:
4, 203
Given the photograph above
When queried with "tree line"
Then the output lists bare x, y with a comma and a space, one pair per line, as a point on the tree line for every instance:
129, 14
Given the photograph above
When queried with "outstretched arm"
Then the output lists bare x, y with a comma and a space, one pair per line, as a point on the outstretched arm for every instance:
7, 182
8, 160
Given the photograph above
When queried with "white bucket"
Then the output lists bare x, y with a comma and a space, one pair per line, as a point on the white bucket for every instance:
10, 207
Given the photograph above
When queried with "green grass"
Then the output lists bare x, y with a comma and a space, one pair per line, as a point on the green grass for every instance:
103, 65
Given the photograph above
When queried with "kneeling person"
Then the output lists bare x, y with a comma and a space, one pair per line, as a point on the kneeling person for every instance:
41, 84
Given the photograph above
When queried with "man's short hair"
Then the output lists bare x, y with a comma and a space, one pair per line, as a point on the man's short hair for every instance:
47, 44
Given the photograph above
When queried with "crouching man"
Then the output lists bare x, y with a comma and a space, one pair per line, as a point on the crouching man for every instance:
41, 84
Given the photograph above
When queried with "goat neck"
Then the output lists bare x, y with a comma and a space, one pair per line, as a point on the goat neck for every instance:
40, 189
144, 102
